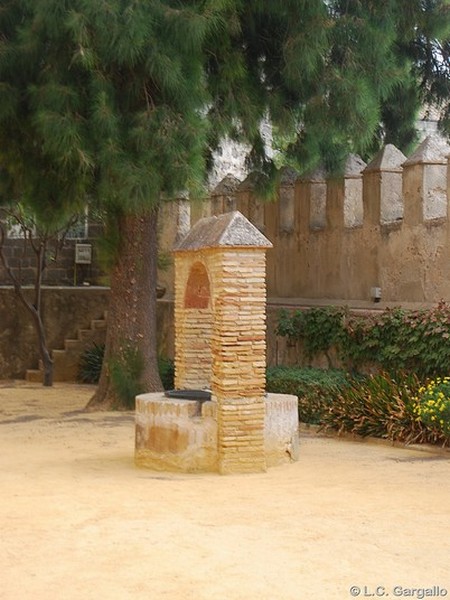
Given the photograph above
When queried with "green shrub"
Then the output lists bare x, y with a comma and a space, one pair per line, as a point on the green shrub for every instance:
126, 373
166, 372
433, 408
315, 388
91, 362
381, 405
90, 365
398, 339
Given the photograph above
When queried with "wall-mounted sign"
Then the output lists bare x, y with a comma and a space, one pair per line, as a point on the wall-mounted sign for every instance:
83, 254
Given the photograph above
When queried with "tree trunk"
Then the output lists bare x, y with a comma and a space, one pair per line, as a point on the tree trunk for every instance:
46, 358
47, 361
132, 309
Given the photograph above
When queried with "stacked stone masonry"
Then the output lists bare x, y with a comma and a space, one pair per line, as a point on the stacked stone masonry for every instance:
220, 334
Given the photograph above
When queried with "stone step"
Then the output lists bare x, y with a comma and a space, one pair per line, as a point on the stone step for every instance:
85, 334
65, 365
71, 345
66, 360
34, 376
98, 324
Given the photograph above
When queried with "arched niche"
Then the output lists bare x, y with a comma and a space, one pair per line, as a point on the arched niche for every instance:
198, 290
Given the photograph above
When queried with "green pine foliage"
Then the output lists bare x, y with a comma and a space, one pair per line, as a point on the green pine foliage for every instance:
124, 100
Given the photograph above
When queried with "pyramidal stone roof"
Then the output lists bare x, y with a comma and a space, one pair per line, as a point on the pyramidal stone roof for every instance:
288, 177
388, 158
317, 175
432, 151
354, 166
228, 185
227, 230
250, 182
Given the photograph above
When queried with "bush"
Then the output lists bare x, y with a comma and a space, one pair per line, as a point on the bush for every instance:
433, 408
166, 372
91, 362
90, 365
126, 372
318, 329
381, 405
316, 389
398, 339
396, 407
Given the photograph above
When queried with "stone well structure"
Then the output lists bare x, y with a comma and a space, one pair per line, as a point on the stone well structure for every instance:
220, 345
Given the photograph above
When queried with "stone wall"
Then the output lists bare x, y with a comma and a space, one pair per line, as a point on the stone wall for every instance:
71, 309
61, 268
383, 225
65, 311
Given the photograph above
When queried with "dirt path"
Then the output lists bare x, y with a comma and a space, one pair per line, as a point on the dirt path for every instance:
79, 521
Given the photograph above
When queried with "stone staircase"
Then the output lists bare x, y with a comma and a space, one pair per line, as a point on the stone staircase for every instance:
66, 360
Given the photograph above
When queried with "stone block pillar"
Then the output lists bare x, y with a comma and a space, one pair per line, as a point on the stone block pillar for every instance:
287, 201
425, 182
239, 358
315, 193
223, 196
174, 222
249, 204
220, 331
353, 191
193, 322
383, 202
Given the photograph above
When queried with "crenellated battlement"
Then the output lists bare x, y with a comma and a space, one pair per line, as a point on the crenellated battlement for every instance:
384, 225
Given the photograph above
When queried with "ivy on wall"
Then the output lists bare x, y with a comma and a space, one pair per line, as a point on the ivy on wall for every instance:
395, 339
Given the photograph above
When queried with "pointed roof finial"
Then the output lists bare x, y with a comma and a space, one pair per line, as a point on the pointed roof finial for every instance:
389, 158
433, 150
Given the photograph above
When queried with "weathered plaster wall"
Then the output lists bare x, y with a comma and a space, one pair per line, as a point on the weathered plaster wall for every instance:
65, 310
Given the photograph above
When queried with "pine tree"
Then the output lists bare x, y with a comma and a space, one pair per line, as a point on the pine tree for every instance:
125, 100
38, 193
108, 105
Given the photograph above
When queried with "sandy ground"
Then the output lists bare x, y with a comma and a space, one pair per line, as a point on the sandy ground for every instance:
80, 521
